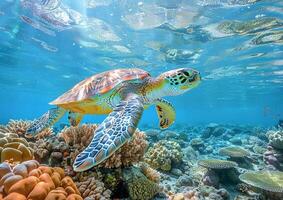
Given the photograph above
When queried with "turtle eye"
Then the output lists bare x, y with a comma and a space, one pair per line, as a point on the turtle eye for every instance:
186, 73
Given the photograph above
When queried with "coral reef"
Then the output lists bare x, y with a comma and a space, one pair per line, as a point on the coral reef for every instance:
273, 158
93, 189
19, 127
275, 138
202, 192
51, 150
138, 185
270, 182
163, 155
13, 148
131, 152
149, 172
28, 180
237, 154
219, 171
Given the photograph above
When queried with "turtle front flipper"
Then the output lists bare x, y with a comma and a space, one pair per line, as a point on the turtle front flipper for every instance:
166, 113
112, 133
45, 121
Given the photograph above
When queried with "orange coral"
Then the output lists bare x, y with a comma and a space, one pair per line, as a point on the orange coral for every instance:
14, 148
30, 181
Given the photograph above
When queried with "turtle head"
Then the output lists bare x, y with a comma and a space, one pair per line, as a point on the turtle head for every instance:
179, 81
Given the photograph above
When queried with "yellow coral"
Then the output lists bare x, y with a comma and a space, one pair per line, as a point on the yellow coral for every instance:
163, 154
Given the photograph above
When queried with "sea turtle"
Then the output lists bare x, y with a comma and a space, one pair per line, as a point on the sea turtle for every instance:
123, 94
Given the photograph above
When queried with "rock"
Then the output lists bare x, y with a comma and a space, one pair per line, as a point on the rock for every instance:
176, 172
184, 180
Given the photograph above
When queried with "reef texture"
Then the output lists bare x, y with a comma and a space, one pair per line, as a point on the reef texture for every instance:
93, 189
276, 138
138, 185
19, 127
217, 164
14, 149
131, 152
201, 193
30, 181
163, 155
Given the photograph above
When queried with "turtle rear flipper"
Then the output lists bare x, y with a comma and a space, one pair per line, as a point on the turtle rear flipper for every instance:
45, 121
166, 113
112, 133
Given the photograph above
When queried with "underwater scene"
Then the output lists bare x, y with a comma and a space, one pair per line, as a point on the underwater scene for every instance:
141, 100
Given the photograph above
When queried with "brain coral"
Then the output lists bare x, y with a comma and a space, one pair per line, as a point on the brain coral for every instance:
217, 164
163, 154
276, 139
139, 186
130, 153
30, 181
14, 148
271, 181
93, 189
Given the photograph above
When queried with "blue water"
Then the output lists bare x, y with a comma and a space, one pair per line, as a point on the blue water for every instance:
43, 54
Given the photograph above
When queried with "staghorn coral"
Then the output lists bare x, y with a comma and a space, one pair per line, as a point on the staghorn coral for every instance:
30, 181
163, 155
276, 138
13, 148
138, 185
19, 127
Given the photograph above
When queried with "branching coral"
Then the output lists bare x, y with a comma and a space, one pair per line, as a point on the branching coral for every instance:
163, 154
20, 127
131, 152
30, 181
78, 136
14, 148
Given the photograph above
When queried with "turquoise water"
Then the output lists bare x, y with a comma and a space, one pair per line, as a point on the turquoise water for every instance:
47, 46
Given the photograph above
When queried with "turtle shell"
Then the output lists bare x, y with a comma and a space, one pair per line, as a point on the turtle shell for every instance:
99, 84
